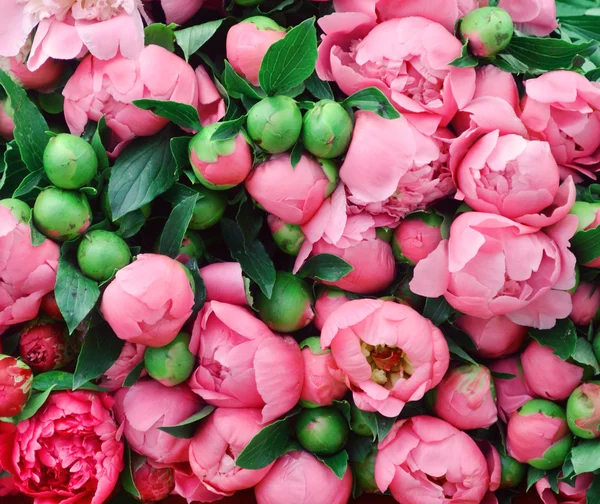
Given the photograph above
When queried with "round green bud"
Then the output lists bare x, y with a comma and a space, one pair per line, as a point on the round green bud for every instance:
274, 124
583, 410
263, 22
327, 129
171, 364
364, 472
70, 162
60, 214
101, 253
19, 209
332, 172
290, 306
512, 472
322, 431
488, 30
192, 246
288, 237
209, 208
359, 423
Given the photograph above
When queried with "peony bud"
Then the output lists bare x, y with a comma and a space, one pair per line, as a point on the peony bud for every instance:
494, 337
466, 398
192, 247
364, 472
290, 306
328, 300
70, 162
288, 237
274, 124
152, 483
171, 364
60, 214
537, 434
19, 209
15, 385
511, 392
322, 431
417, 236
327, 129
513, 472
44, 346
209, 208
488, 30
50, 307
220, 164
101, 254
586, 304
583, 410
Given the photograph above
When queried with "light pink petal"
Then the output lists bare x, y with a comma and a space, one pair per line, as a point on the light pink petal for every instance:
431, 275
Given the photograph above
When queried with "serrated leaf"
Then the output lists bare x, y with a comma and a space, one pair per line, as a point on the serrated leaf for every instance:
338, 463
318, 88
161, 35
586, 456
193, 38
465, 60
562, 338
237, 86
187, 428
228, 129
134, 375
327, 267
182, 114
438, 310
373, 100
176, 226
60, 380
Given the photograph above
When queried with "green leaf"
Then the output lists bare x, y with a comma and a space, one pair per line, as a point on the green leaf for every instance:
586, 245
296, 154
143, 171
437, 310
98, 146
291, 60
238, 86
358, 448
584, 354
253, 257
36, 401
318, 88
562, 338
30, 125
182, 114
586, 456
176, 226
126, 476
60, 380
344, 408
187, 428
37, 238
193, 38
161, 35
338, 463
593, 493
384, 425
28, 184
134, 375
503, 376
76, 294
13, 170
327, 267
131, 223
457, 351
268, 445
533, 476
100, 349
228, 129
574, 7
585, 27
466, 60
373, 100
200, 293
248, 218
179, 151
4, 474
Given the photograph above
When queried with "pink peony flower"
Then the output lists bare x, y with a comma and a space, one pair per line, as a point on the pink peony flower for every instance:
152, 481
26, 272
131, 355
328, 300
224, 283
15, 385
424, 459
299, 478
535, 17
547, 375
324, 382
493, 266
567, 494
216, 445
148, 301
511, 393
417, 236
242, 364
494, 337
390, 354
147, 405
69, 451
107, 88
44, 79
7, 436
188, 486
586, 303
46, 346
493, 461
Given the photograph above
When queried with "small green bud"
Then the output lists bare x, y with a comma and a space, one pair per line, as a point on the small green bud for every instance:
327, 129
19, 209
171, 364
70, 162
512, 473
274, 124
60, 214
322, 431
209, 208
101, 253
488, 30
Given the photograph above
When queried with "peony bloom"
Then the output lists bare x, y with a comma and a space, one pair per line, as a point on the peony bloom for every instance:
511, 393
69, 451
248, 42
494, 266
547, 375
567, 494
328, 300
390, 354
535, 17
107, 88
417, 236
67, 29
131, 355
465, 398
494, 337
407, 59
148, 301
224, 282
242, 364
586, 303
216, 445
26, 272
424, 459
15, 385
147, 405
299, 478
46, 346
563, 109
292, 194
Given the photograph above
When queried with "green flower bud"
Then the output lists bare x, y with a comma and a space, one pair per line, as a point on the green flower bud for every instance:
209, 208
263, 22
327, 129
290, 306
70, 162
171, 364
19, 209
364, 472
488, 30
192, 246
288, 237
331, 171
512, 473
62, 215
358, 422
587, 214
583, 410
101, 253
322, 431
274, 124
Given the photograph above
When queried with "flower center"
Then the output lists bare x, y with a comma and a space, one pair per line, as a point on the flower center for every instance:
101, 10
388, 364
43, 9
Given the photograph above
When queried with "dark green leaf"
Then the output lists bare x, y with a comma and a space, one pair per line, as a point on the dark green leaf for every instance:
237, 86
585, 27
327, 267
553, 479
373, 100
295, 91
279, 7
134, 375
13, 170
586, 245
586, 456
28, 184
126, 476
562, 338
593, 493
318, 88
200, 292
533, 476
344, 408
36, 401
37, 238
229, 129
98, 146
60, 380
503, 376
584, 354
457, 351
466, 60
574, 7
10, 343
178, 193
437, 310
76, 294
187, 428
179, 150
358, 448
384, 425
593, 75
249, 219
367, 418
296, 154
176, 226
182, 114
131, 223
161, 35
291, 60
338, 463
193, 38
143, 171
